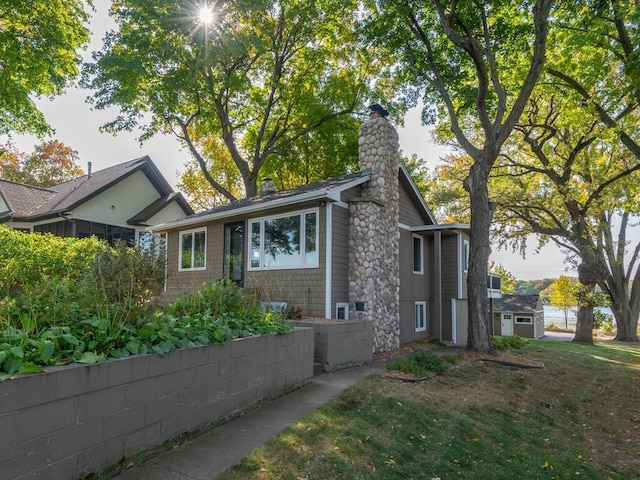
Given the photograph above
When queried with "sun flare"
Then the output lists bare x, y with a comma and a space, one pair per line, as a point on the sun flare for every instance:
206, 15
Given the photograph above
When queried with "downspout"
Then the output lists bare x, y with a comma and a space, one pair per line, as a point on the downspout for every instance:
437, 245
328, 261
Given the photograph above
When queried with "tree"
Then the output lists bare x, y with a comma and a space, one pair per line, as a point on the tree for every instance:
51, 163
476, 64
563, 293
38, 46
267, 77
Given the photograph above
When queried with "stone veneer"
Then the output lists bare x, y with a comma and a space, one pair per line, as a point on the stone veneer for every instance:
374, 270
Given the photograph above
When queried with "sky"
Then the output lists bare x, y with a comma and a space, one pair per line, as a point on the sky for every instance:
77, 125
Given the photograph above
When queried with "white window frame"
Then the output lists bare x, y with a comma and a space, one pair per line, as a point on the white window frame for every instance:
465, 256
423, 327
524, 320
261, 220
193, 231
413, 254
344, 306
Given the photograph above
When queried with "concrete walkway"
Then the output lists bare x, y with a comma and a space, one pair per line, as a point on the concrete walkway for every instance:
210, 454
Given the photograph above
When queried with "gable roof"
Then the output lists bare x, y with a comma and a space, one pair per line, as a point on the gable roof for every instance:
516, 303
32, 203
22, 199
326, 189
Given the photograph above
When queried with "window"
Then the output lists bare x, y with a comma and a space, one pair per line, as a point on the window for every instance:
342, 311
418, 264
287, 241
524, 320
193, 250
421, 316
465, 258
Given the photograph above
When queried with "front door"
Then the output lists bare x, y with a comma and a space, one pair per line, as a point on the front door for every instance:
233, 267
506, 325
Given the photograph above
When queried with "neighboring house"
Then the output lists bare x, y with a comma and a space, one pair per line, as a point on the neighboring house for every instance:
117, 203
361, 246
521, 315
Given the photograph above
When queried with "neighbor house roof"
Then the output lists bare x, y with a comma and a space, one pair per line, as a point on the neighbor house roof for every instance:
22, 199
30, 203
516, 303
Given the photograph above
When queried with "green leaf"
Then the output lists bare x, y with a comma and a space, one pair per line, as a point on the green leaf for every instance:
133, 347
16, 352
70, 339
12, 364
46, 349
28, 324
88, 357
28, 367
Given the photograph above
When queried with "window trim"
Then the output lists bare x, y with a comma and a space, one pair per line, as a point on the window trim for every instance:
303, 240
423, 304
186, 232
345, 306
413, 254
518, 320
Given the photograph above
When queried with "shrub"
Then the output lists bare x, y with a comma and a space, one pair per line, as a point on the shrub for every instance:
219, 298
603, 321
422, 363
507, 343
66, 300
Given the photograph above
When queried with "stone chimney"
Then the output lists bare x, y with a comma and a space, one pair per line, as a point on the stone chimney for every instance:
374, 265
267, 186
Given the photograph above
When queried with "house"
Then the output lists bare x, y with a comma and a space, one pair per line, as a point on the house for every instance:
361, 246
117, 203
521, 315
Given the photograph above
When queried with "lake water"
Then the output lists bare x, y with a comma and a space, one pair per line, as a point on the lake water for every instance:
556, 315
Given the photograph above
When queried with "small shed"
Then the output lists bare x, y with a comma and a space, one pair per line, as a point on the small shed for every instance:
521, 315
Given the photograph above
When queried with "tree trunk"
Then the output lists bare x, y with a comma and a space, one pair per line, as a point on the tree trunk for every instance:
623, 306
626, 326
590, 273
584, 324
478, 338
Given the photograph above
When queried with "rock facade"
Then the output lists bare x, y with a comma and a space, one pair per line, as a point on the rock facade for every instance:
374, 266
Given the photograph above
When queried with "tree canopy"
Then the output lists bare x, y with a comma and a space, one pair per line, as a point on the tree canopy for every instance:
475, 65
274, 81
51, 163
39, 43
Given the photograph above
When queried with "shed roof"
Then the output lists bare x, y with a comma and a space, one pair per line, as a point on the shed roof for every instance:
516, 303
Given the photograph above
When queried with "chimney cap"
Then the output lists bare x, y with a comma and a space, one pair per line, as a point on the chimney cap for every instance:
379, 109
267, 186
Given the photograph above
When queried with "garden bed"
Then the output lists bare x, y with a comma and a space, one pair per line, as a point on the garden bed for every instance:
74, 420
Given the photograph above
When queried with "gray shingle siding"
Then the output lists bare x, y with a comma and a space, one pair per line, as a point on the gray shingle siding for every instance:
340, 284
409, 214
413, 287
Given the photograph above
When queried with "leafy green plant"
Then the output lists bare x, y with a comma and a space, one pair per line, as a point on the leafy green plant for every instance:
602, 321
83, 301
507, 343
422, 363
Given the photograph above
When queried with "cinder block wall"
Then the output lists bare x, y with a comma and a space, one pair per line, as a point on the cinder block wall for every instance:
341, 343
79, 419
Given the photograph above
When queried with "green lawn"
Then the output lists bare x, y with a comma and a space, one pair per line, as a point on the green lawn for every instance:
579, 417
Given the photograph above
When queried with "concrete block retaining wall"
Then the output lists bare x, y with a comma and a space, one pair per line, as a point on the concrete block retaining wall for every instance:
340, 343
78, 419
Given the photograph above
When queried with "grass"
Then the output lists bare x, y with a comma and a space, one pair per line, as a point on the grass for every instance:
579, 417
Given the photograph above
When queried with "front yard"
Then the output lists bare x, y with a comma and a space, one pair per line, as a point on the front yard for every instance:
576, 418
